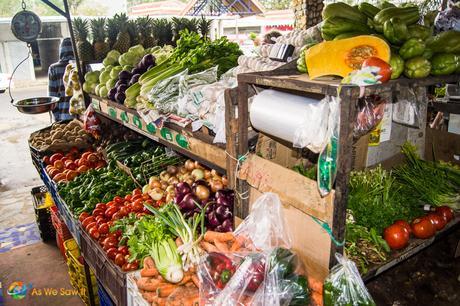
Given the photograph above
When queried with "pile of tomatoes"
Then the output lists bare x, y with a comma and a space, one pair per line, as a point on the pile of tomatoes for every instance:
397, 235
99, 222
66, 167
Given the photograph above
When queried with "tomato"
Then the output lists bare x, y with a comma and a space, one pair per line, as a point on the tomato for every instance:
438, 220
149, 202
118, 233
134, 265
137, 191
124, 211
385, 68
110, 239
55, 157
98, 212
396, 236
120, 260
123, 250
118, 200
93, 158
85, 155
125, 267
59, 164
110, 204
103, 228
110, 244
82, 162
445, 211
137, 205
82, 169
423, 228
136, 197
100, 220
94, 233
90, 226
117, 216
111, 253
71, 175
146, 211
46, 160
100, 164
83, 216
404, 224
88, 220
128, 197
101, 206
109, 212
70, 165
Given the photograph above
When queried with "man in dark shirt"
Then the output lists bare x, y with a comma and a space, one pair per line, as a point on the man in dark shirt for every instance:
56, 87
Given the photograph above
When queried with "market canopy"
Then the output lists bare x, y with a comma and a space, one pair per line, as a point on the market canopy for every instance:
221, 7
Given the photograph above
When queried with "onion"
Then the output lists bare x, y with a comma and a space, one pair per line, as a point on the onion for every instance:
146, 188
202, 192
216, 185
189, 181
164, 176
207, 174
182, 169
171, 190
154, 183
199, 182
169, 198
172, 170
223, 213
178, 199
156, 194
212, 219
198, 166
198, 174
224, 180
227, 225
189, 165
213, 172
173, 180
189, 202
164, 185
183, 188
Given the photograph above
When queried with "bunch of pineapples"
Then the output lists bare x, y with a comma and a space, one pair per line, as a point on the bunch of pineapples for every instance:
84, 47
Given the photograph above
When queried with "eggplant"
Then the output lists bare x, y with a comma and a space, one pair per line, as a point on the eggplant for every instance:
223, 213
228, 225
183, 188
112, 93
120, 97
137, 71
189, 202
120, 82
135, 78
148, 60
125, 75
122, 88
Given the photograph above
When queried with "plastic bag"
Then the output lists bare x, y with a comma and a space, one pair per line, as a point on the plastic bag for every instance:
371, 111
344, 285
265, 226
406, 110
91, 123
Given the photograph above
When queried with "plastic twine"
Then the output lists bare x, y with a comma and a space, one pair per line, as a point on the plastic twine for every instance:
241, 159
328, 230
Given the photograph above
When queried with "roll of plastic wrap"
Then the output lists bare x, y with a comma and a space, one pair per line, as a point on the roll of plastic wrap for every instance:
300, 120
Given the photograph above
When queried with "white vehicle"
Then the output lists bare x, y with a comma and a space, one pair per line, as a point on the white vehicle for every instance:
4, 82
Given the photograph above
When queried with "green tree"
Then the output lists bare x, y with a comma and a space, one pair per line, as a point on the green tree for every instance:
276, 4
73, 5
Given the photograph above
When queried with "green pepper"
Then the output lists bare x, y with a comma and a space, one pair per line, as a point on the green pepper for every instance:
282, 262
417, 67
444, 64
294, 289
428, 19
397, 65
412, 48
428, 54
419, 31
395, 30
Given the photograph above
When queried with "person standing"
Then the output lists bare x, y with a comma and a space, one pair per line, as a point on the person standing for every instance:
56, 86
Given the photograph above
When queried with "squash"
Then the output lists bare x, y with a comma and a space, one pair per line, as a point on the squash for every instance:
340, 57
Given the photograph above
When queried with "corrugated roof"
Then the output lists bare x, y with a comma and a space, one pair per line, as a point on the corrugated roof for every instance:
171, 7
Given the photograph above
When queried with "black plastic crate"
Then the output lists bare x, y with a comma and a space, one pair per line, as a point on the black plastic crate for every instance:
42, 215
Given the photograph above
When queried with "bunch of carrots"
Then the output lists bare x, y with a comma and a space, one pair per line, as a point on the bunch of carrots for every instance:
157, 291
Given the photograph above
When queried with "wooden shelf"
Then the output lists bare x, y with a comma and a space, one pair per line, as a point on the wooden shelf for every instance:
195, 145
415, 246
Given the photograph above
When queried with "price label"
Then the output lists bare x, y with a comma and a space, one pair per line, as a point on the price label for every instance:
96, 104
137, 122
182, 141
124, 117
166, 134
112, 112
151, 128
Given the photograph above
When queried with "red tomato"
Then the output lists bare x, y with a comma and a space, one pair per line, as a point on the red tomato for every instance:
101, 206
438, 220
94, 233
120, 259
85, 155
100, 220
118, 233
137, 191
110, 244
111, 253
136, 197
98, 212
396, 236
71, 166
134, 265
404, 224
93, 158
46, 160
145, 197
83, 216
123, 250
90, 226
87, 221
124, 211
110, 212
103, 228
110, 239
117, 216
128, 197
110, 204
385, 68
423, 228
445, 211
125, 267
149, 202
137, 205
118, 200
82, 162
55, 157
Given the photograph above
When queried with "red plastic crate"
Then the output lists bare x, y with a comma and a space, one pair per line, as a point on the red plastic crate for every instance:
59, 224
60, 244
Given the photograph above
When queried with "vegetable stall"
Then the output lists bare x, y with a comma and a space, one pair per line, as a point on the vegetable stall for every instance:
200, 176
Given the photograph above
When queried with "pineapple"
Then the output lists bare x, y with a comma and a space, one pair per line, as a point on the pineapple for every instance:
101, 48
204, 26
145, 29
133, 31
123, 41
162, 31
112, 30
84, 48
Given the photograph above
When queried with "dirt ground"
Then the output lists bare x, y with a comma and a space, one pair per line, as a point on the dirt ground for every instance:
432, 277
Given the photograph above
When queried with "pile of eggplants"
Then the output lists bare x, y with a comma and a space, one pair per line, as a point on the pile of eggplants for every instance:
218, 205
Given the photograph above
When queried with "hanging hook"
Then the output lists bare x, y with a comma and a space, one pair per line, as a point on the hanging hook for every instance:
29, 46
23, 4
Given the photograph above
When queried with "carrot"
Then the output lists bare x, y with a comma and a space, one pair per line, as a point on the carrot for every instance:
149, 296
149, 263
179, 242
193, 300
239, 242
317, 298
148, 284
161, 302
187, 278
221, 246
151, 272
196, 281
208, 247
211, 236
165, 290
315, 284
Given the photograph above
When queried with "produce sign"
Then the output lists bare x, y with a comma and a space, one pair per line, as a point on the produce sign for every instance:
65, 168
